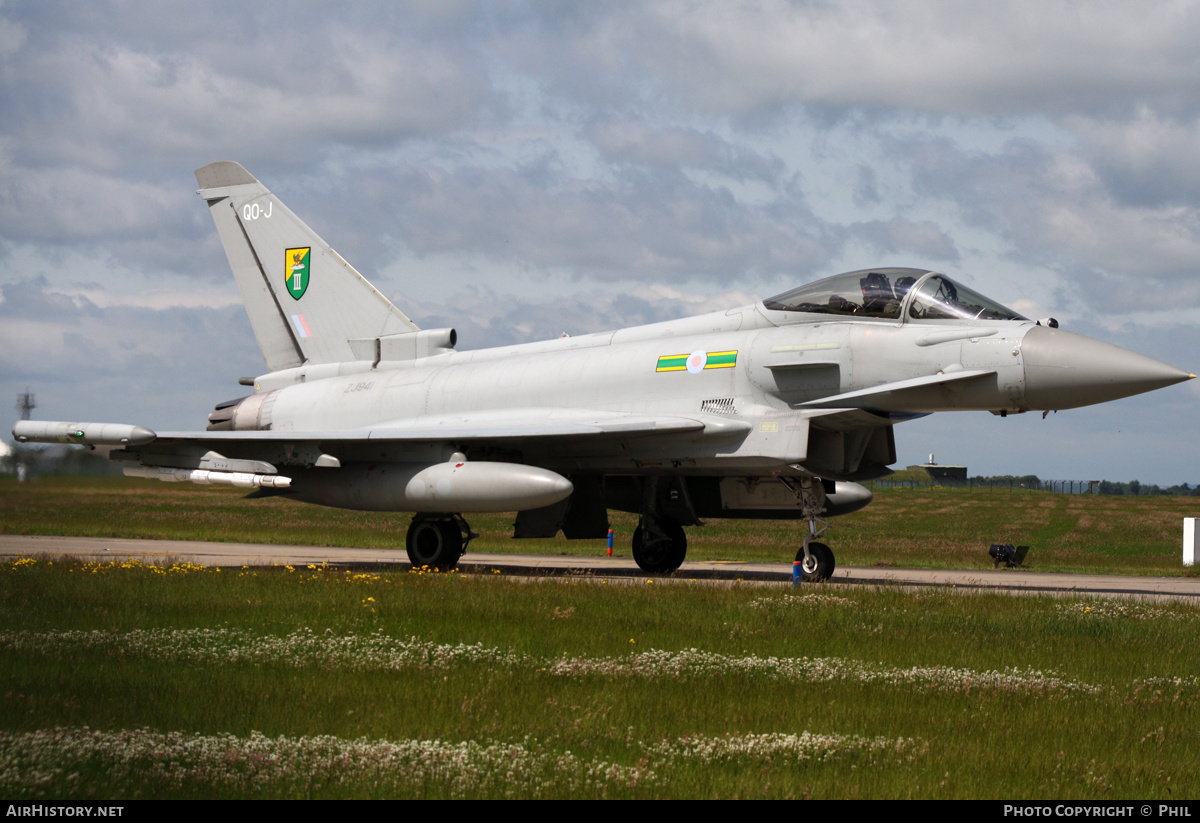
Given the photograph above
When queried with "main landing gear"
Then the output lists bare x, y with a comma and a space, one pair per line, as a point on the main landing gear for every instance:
438, 540
659, 544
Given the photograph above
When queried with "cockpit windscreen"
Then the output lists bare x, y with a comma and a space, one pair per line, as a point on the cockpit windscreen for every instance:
940, 298
881, 293
865, 293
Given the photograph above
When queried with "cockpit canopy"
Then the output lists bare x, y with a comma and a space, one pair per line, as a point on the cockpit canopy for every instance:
889, 294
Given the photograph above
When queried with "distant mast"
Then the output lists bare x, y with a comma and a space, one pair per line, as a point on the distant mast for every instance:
26, 403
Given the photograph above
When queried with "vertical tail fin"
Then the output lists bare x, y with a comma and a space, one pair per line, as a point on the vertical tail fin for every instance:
305, 302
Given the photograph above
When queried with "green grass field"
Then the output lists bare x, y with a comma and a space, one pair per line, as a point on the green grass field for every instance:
928, 527
125, 681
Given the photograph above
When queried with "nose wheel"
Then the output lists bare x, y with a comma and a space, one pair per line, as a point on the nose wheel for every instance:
818, 564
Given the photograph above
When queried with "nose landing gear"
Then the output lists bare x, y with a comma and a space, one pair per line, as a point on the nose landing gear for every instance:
816, 559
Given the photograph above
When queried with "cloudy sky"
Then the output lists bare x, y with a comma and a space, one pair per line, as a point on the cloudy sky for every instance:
518, 170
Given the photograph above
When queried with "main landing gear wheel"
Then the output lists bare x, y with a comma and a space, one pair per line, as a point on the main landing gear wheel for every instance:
659, 546
437, 544
819, 564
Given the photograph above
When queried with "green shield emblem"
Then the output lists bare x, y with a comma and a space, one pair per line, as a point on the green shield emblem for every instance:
296, 271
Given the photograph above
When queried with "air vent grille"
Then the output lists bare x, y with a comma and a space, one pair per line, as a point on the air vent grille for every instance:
720, 405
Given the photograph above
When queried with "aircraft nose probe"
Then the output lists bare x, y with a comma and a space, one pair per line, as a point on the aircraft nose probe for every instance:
1065, 370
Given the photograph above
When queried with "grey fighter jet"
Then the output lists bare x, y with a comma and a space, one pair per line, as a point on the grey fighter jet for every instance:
773, 410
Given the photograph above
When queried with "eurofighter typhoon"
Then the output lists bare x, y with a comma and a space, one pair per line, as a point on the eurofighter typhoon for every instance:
773, 410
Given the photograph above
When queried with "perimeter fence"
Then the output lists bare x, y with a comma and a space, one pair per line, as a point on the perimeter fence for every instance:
992, 484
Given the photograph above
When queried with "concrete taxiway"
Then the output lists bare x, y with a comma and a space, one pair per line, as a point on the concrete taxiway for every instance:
253, 554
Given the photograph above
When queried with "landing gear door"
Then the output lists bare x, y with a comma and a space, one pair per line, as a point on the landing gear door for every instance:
674, 502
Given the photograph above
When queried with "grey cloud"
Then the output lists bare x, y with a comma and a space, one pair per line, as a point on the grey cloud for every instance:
641, 223
1054, 210
866, 190
76, 95
295, 94
678, 147
1120, 296
1145, 160
108, 108
940, 57
161, 367
32, 299
12, 36
923, 238
77, 204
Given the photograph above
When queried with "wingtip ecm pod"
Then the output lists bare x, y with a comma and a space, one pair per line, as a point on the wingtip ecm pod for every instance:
82, 434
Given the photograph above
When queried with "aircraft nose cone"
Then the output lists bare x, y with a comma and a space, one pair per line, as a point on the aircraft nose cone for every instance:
1065, 370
